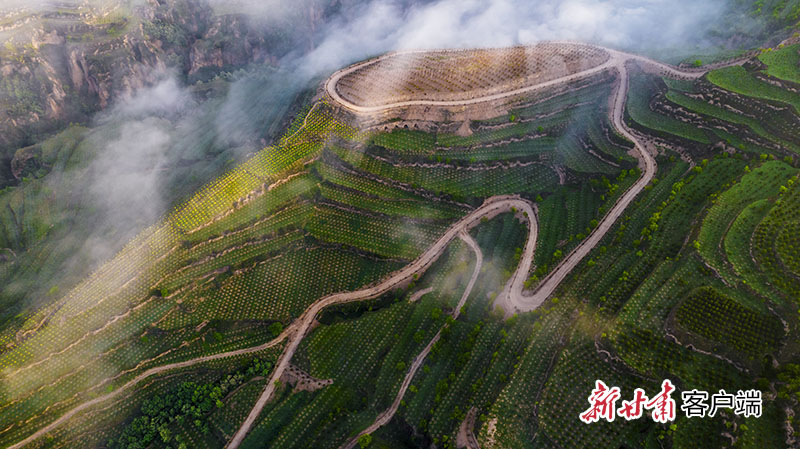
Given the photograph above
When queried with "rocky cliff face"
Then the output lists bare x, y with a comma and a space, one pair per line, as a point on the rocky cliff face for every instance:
61, 67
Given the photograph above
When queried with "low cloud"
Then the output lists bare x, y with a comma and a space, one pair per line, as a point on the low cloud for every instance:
386, 25
166, 98
126, 178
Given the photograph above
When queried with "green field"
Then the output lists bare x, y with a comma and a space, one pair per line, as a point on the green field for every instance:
736, 79
717, 317
640, 112
782, 63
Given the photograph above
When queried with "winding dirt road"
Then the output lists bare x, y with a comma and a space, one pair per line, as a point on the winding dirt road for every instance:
138, 379
512, 298
296, 331
387, 414
615, 60
491, 207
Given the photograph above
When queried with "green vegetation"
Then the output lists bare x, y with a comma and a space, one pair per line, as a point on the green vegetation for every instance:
696, 282
679, 85
191, 402
579, 120
698, 433
762, 182
639, 110
569, 216
717, 317
405, 140
449, 179
723, 114
783, 62
576, 369
765, 431
773, 248
738, 241
736, 79
374, 234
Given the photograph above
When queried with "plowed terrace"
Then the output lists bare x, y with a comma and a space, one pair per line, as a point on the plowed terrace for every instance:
458, 75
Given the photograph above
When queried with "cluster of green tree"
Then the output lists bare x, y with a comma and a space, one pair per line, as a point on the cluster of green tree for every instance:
190, 401
790, 382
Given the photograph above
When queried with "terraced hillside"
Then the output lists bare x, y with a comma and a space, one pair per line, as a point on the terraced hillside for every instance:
463, 74
654, 217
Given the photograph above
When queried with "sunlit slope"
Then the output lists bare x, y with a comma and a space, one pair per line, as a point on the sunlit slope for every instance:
94, 337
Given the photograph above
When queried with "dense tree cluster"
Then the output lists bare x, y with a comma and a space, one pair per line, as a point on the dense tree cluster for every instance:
190, 401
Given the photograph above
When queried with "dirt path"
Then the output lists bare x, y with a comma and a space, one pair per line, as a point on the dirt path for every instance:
296, 331
466, 437
491, 207
512, 299
615, 60
138, 379
420, 294
330, 87
387, 414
